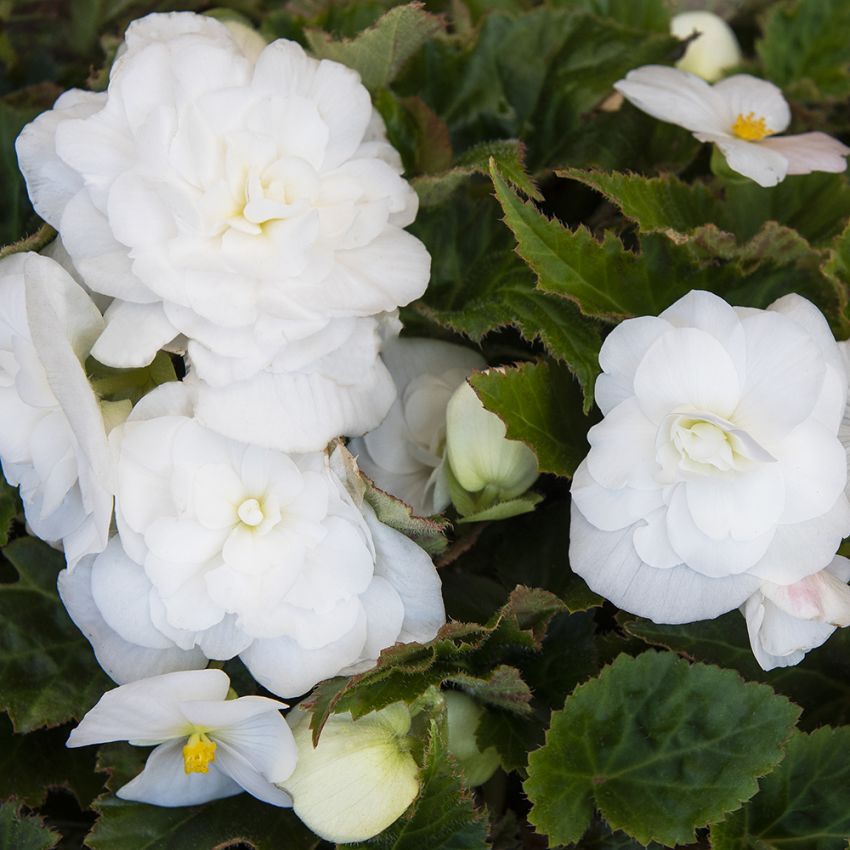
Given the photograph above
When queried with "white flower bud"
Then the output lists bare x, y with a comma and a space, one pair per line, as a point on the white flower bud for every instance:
714, 52
358, 779
464, 715
480, 456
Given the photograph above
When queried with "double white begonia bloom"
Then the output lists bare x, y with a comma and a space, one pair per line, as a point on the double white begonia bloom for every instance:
741, 115
715, 49
785, 622
208, 746
405, 454
717, 466
359, 778
52, 432
246, 206
238, 550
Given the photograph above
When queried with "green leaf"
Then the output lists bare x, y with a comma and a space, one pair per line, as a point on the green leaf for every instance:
442, 817
509, 156
820, 683
32, 764
660, 746
405, 671
120, 384
804, 49
24, 832
48, 673
10, 508
501, 510
16, 205
653, 15
541, 405
603, 279
380, 52
803, 805
511, 735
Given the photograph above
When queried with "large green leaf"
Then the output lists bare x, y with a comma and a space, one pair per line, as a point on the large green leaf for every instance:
803, 805
442, 817
32, 764
820, 683
24, 832
380, 52
48, 673
458, 652
660, 746
805, 50
541, 405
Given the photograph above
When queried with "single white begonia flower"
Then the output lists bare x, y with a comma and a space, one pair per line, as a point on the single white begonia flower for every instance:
358, 779
717, 466
207, 746
240, 203
238, 550
741, 115
785, 621
463, 714
482, 459
52, 431
405, 454
715, 49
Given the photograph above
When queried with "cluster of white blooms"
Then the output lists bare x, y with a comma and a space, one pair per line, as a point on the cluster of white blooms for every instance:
718, 478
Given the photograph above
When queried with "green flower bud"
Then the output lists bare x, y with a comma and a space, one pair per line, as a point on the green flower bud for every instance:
464, 715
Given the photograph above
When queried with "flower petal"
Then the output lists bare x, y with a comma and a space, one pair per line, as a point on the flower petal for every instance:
808, 152
743, 94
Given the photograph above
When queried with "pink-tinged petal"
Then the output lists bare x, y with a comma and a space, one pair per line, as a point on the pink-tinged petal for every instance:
743, 95
148, 711
133, 335
622, 449
676, 97
122, 661
687, 368
822, 596
813, 464
164, 781
713, 557
608, 562
783, 382
752, 159
610, 509
803, 548
810, 152
778, 639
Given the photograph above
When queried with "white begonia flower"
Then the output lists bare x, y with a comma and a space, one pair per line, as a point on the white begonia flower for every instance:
741, 115
358, 779
244, 203
717, 466
405, 454
208, 746
481, 457
232, 549
463, 714
52, 431
714, 51
785, 621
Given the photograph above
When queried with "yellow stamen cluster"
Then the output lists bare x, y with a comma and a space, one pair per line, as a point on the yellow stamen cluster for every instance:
198, 753
750, 128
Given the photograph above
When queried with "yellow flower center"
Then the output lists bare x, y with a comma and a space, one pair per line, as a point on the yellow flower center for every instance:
750, 128
198, 753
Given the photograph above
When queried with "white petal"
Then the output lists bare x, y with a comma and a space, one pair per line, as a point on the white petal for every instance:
810, 152
148, 711
607, 561
134, 334
122, 661
384, 616
743, 94
676, 97
164, 781
238, 768
408, 357
752, 159
652, 542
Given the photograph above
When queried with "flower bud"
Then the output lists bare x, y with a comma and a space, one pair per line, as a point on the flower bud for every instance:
358, 779
715, 51
464, 715
481, 458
